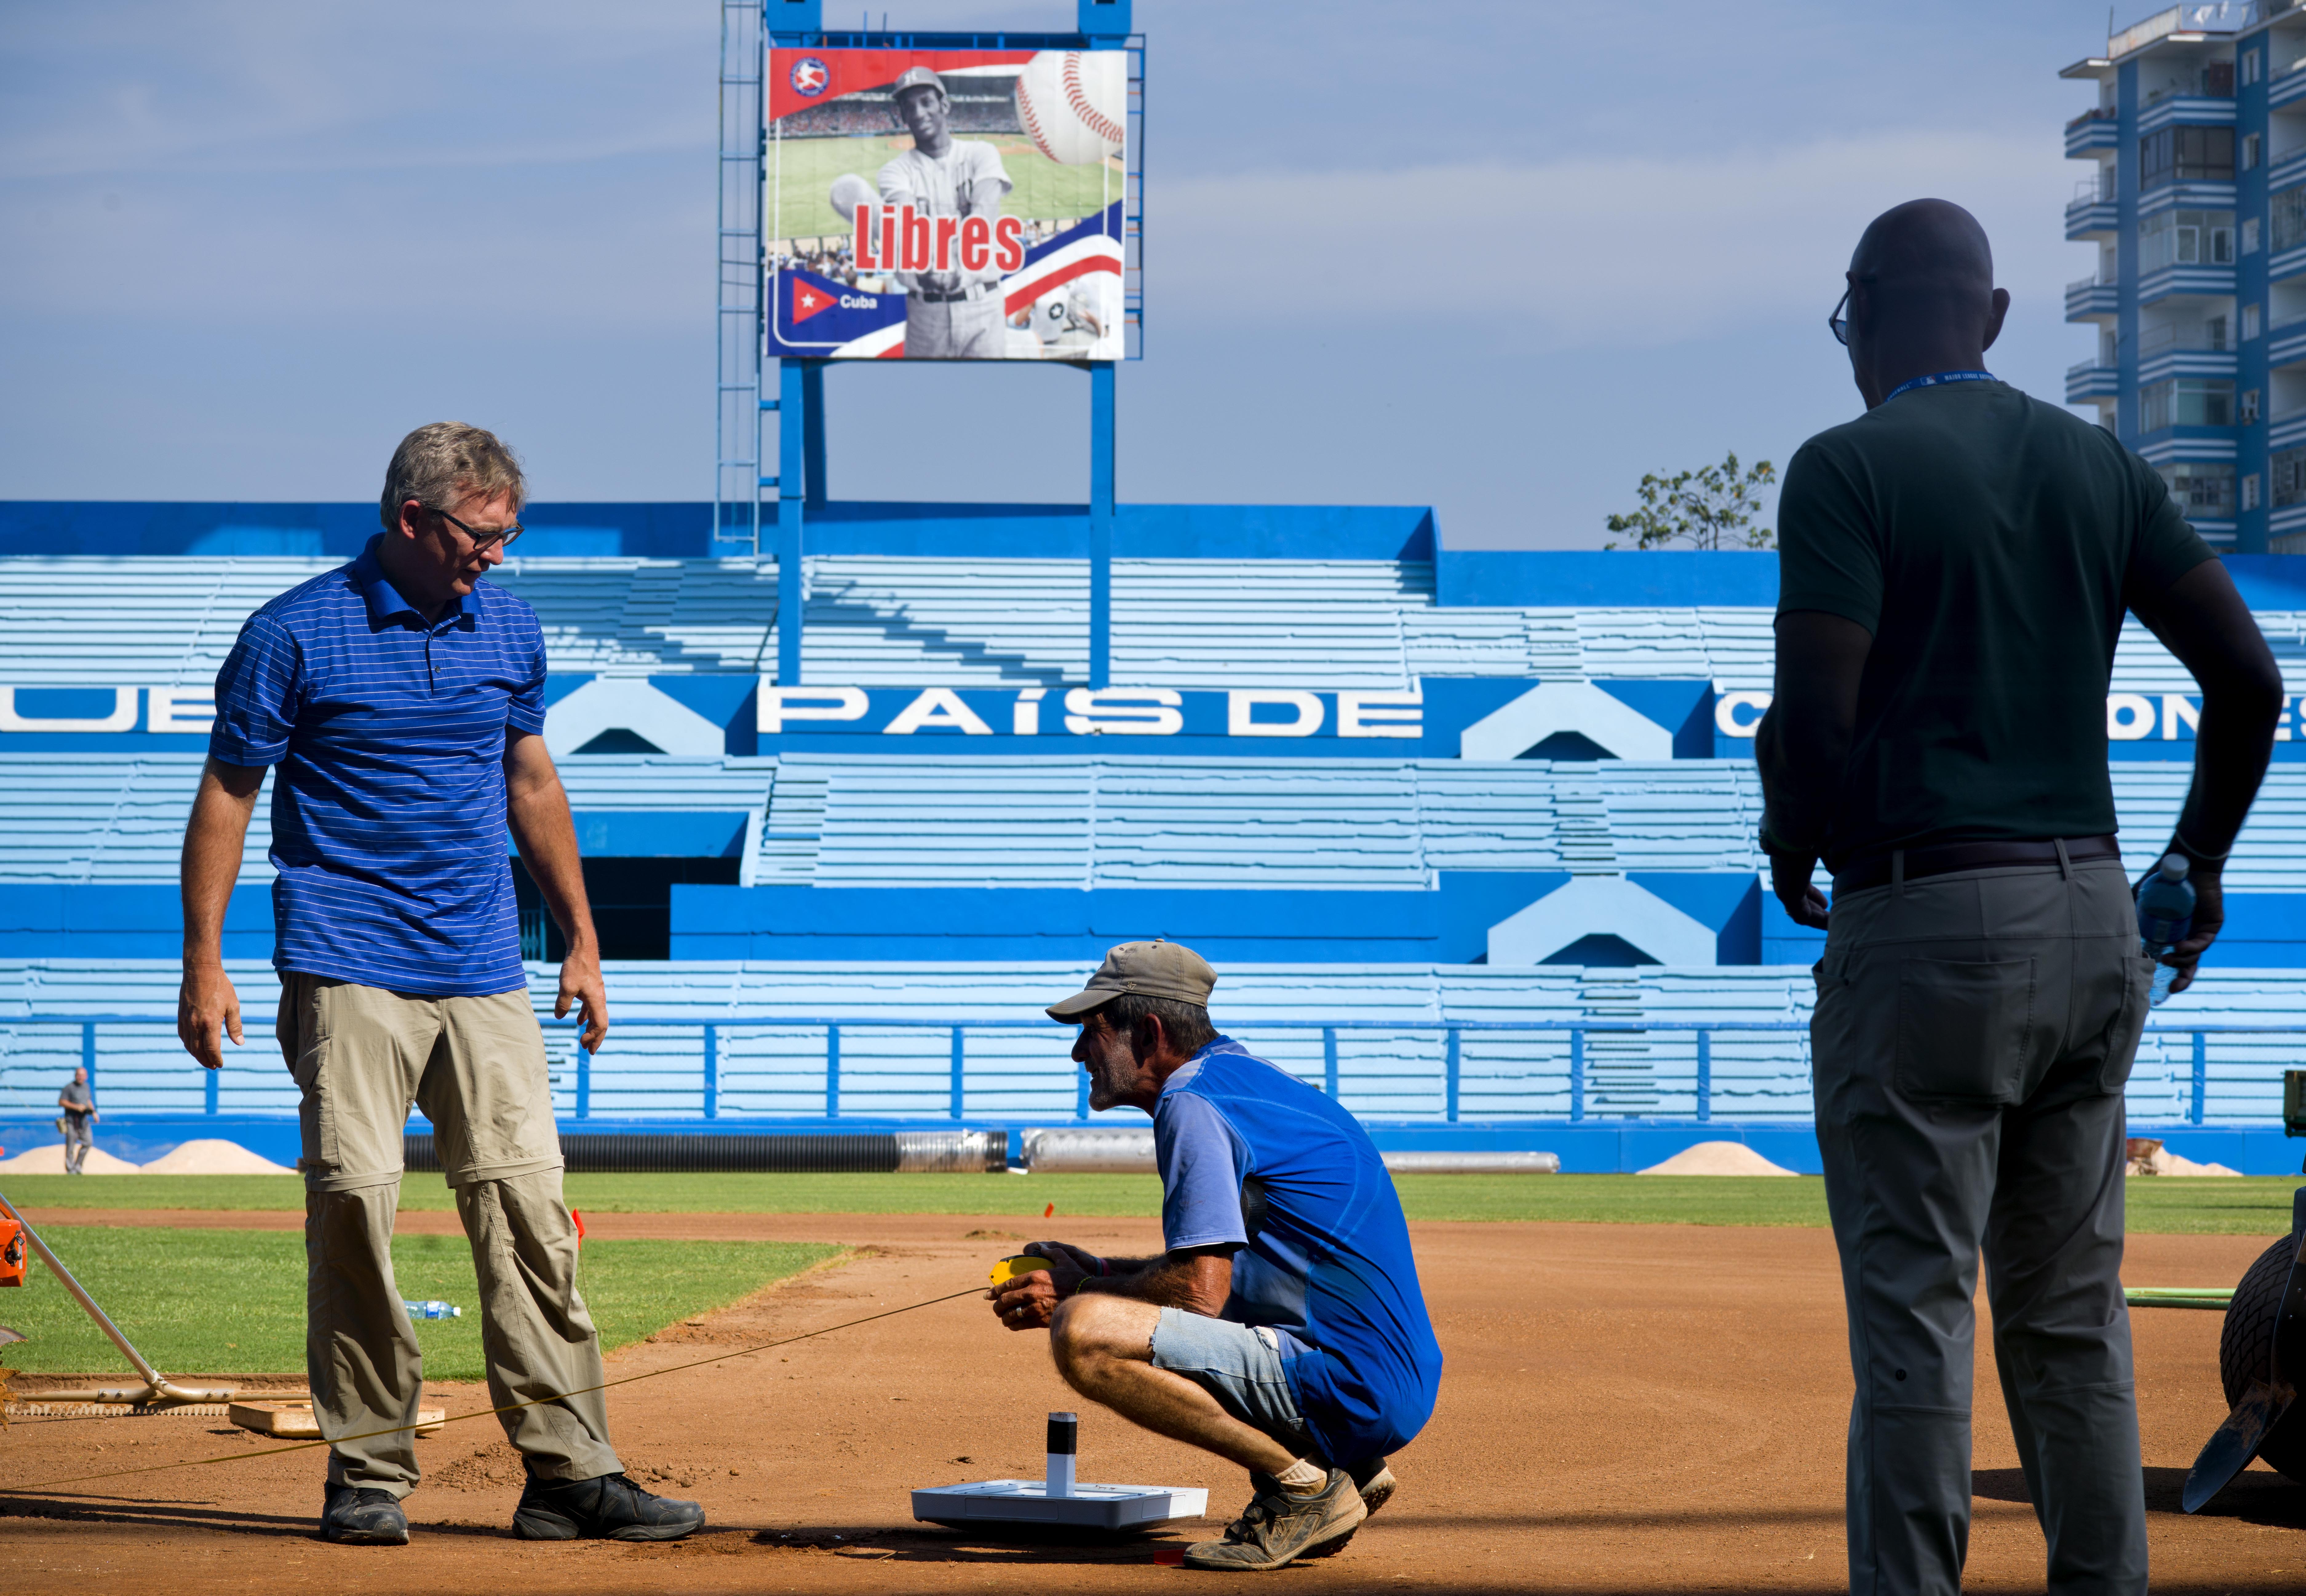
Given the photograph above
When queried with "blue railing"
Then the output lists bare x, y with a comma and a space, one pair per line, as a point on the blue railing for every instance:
705, 1085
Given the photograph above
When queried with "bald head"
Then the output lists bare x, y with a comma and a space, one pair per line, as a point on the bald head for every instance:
1927, 247
1922, 295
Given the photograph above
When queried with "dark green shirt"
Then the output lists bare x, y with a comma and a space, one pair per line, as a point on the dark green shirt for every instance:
1989, 542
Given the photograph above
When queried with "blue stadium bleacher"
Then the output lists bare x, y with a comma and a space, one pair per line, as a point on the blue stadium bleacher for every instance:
1469, 836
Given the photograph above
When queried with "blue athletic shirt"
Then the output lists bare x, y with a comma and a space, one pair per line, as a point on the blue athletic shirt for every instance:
389, 807
1324, 1261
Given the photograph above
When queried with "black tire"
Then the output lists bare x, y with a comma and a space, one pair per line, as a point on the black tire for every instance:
2246, 1351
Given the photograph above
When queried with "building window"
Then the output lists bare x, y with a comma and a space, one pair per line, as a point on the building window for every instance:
2204, 490
2251, 146
2250, 407
2186, 155
2288, 476
2253, 65
2186, 238
2250, 491
2249, 235
2249, 322
2287, 212
2185, 402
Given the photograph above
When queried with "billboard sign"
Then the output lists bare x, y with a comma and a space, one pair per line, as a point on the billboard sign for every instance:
946, 204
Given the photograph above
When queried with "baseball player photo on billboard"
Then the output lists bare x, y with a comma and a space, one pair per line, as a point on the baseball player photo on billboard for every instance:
946, 204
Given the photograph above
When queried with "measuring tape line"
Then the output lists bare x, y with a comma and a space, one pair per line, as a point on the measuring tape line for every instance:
510, 1407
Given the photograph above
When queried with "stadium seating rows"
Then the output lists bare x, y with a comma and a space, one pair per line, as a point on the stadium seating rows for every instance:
889, 621
1111, 821
1105, 821
1016, 1063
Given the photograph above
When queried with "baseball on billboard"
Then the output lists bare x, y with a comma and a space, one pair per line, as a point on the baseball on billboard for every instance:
946, 204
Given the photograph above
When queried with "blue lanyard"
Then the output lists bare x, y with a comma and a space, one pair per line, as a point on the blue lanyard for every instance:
1935, 378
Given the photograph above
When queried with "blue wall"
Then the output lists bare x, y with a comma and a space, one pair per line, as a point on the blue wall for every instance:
1591, 1148
1448, 925
667, 531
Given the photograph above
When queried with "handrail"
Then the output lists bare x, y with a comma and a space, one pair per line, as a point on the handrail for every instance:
1576, 1032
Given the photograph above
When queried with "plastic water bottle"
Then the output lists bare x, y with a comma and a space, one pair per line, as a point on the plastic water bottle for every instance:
433, 1308
2166, 914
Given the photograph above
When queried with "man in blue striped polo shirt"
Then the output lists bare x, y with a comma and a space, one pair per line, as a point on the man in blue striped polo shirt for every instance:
402, 699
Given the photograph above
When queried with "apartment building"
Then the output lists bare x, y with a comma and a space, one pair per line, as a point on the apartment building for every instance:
2197, 207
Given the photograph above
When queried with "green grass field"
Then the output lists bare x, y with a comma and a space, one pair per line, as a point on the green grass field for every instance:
233, 1301
2254, 1207
798, 201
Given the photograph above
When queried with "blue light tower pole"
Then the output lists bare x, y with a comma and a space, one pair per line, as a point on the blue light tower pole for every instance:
799, 402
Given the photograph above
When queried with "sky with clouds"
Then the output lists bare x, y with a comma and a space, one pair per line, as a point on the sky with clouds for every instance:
1494, 256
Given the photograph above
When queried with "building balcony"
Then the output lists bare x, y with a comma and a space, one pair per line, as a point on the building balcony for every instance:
2178, 282
2286, 88
2171, 361
2088, 299
2092, 212
2189, 191
2089, 381
2287, 428
2287, 264
2287, 168
2092, 132
2192, 110
2286, 343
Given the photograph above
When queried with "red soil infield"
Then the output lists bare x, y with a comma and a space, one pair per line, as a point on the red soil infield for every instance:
1627, 1408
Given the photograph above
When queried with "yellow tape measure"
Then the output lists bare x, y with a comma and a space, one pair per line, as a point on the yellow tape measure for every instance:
1010, 1269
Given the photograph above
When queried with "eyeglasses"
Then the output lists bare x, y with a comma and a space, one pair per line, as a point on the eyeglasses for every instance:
499, 538
1837, 323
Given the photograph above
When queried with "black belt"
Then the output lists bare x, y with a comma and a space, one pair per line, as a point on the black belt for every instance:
937, 296
1946, 856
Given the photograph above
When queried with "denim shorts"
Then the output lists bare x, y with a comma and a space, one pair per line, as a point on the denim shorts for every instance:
1240, 1365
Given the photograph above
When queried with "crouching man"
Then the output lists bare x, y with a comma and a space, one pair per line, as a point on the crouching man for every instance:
1283, 1328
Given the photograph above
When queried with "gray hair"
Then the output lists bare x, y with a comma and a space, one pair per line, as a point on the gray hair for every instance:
437, 466
1187, 1024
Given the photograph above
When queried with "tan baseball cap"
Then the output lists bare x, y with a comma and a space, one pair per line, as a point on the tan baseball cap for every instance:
1156, 968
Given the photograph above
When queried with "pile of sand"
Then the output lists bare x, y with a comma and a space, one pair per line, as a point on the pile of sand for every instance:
1717, 1158
207, 1155
50, 1160
2162, 1161
211, 1155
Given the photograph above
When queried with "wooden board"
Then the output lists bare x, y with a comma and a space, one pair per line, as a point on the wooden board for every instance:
294, 1421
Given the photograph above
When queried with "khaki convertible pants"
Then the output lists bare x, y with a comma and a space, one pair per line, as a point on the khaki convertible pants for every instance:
476, 1065
1973, 1035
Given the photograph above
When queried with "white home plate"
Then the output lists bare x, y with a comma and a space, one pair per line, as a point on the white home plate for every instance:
1088, 1508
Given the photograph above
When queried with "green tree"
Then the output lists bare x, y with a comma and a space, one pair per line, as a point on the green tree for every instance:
1714, 507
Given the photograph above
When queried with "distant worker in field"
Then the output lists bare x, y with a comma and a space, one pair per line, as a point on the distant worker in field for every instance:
949, 315
1954, 568
402, 699
79, 1106
1283, 1328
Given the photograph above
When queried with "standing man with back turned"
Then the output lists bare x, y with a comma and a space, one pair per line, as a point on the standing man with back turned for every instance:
402, 699
1955, 563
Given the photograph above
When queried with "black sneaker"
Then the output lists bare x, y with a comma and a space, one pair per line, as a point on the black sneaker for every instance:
606, 1506
1278, 1526
1376, 1483
363, 1516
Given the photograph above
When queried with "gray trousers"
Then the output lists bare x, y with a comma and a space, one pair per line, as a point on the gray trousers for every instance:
78, 1138
1973, 1035
476, 1065
955, 329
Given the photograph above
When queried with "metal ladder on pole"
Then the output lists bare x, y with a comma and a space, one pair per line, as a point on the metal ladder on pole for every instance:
739, 331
